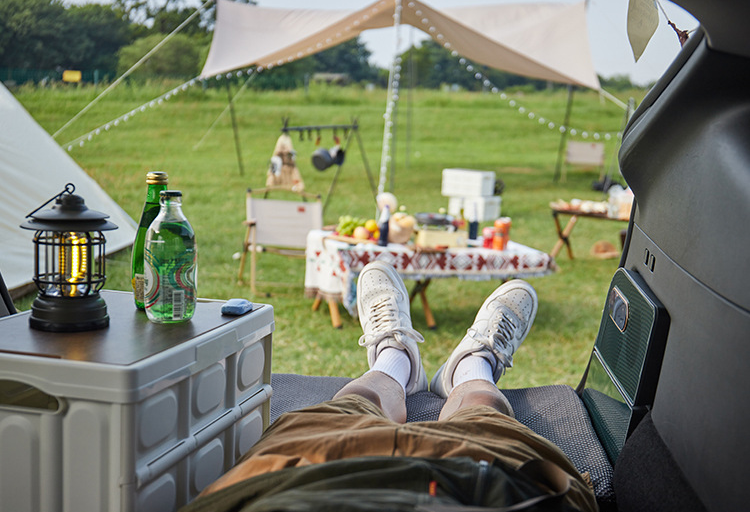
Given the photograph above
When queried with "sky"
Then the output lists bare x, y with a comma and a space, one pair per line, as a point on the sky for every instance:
607, 21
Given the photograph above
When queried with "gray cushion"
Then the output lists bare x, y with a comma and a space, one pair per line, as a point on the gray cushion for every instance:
554, 412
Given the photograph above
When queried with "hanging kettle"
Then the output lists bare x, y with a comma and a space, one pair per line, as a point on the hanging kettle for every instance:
323, 158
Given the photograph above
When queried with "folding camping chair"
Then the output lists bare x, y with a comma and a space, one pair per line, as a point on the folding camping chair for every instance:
584, 154
279, 226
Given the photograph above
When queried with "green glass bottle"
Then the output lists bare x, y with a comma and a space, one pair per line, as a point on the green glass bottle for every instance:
156, 181
171, 265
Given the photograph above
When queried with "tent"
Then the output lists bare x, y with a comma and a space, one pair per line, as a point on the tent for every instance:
34, 168
548, 41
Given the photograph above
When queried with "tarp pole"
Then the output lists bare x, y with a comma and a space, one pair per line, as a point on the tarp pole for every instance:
564, 135
409, 97
373, 187
223, 112
394, 133
235, 129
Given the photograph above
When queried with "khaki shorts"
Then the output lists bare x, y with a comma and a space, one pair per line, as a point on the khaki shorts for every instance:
352, 426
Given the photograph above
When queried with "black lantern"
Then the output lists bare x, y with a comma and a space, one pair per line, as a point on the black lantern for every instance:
68, 265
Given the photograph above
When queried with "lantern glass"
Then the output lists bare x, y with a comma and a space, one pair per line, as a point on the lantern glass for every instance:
69, 263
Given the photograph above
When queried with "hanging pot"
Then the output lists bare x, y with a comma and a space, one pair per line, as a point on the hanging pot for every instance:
322, 159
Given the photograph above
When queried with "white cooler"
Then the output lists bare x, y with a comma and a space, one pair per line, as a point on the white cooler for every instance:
467, 183
487, 208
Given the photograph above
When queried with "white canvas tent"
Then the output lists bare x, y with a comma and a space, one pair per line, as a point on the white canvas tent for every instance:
548, 41
33, 168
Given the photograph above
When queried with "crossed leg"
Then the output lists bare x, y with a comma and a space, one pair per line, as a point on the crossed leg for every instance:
468, 377
385, 392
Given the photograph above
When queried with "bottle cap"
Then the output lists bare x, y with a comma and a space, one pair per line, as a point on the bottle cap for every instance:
157, 178
170, 193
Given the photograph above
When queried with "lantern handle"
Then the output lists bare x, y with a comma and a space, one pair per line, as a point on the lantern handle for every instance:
69, 188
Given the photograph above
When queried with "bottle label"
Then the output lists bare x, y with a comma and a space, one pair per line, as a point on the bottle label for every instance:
169, 285
178, 304
138, 282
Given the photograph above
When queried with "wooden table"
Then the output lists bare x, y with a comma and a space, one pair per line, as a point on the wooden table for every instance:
332, 268
563, 234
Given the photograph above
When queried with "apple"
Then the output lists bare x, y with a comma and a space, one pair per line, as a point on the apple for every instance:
361, 233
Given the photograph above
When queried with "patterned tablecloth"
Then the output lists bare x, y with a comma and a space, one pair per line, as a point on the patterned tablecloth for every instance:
332, 266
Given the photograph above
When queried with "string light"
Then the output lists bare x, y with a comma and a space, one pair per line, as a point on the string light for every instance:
394, 76
512, 103
392, 96
88, 137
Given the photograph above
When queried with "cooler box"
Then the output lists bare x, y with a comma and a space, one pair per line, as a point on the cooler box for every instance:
134, 417
436, 238
488, 208
467, 183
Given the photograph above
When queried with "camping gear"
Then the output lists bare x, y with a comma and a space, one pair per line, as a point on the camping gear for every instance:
33, 167
276, 225
323, 158
137, 417
470, 190
68, 264
530, 39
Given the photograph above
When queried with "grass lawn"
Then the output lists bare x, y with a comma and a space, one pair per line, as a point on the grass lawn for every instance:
447, 129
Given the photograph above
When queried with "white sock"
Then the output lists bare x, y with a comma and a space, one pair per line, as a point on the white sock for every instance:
395, 363
472, 367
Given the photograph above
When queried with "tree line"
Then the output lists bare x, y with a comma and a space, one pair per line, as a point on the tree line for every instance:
108, 39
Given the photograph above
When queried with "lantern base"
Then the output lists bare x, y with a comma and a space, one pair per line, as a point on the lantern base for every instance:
69, 314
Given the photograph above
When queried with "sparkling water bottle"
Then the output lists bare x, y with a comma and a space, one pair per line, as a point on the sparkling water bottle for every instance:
171, 265
156, 181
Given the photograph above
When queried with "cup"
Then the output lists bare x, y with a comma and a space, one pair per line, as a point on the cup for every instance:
502, 233
488, 234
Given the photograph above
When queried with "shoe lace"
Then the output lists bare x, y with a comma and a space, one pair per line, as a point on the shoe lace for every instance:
383, 316
498, 341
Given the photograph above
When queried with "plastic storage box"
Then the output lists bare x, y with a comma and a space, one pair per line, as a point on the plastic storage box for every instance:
487, 208
134, 417
467, 183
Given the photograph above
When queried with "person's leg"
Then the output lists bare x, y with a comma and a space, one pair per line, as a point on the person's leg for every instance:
380, 389
470, 374
392, 352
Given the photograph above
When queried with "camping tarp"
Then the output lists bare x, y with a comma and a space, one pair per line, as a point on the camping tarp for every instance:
33, 168
548, 41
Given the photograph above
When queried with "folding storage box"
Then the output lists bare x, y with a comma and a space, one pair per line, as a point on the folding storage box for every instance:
134, 417
487, 208
467, 183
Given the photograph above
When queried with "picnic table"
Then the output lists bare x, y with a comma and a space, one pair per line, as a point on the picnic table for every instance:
333, 265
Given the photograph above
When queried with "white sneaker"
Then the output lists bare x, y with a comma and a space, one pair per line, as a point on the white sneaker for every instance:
383, 307
499, 328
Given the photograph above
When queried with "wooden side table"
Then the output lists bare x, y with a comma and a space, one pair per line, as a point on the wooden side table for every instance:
563, 234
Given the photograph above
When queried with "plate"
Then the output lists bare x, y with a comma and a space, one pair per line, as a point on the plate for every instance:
433, 219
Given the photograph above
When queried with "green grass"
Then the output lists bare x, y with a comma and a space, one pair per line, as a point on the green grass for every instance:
469, 130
